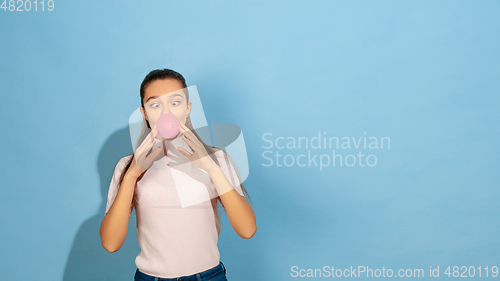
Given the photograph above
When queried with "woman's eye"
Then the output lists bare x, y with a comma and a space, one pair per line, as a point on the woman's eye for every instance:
153, 105
176, 102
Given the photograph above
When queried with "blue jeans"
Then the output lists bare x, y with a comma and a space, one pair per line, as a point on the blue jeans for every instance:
216, 273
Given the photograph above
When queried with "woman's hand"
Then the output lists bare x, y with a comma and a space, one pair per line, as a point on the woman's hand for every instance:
140, 162
200, 156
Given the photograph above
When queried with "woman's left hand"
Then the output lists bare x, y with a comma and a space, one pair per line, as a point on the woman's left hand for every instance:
200, 156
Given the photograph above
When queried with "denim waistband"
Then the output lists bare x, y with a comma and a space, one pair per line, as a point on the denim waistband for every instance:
193, 277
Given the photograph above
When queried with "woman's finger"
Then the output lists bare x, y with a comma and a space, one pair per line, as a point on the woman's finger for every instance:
187, 132
152, 155
148, 141
185, 152
191, 145
190, 136
146, 145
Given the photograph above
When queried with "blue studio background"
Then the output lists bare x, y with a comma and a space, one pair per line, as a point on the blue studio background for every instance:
424, 74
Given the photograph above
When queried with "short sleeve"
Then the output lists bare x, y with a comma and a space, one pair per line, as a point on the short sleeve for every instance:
113, 187
228, 170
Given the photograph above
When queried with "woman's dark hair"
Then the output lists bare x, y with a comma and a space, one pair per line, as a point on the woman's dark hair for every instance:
171, 74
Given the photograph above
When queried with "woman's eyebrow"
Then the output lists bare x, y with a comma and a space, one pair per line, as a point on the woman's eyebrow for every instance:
171, 95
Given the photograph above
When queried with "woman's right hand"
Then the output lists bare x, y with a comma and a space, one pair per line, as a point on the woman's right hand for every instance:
140, 163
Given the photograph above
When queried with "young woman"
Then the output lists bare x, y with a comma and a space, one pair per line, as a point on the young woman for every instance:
177, 242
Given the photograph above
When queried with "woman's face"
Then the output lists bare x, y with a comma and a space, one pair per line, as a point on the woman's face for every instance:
164, 96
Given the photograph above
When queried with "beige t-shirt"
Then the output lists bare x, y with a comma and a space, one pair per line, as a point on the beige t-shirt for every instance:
176, 210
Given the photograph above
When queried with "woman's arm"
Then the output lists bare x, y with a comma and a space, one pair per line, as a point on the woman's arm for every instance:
114, 226
239, 212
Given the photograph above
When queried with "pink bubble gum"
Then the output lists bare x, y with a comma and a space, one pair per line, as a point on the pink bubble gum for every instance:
168, 126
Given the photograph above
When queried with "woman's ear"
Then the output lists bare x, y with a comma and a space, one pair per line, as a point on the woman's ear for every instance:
143, 113
188, 108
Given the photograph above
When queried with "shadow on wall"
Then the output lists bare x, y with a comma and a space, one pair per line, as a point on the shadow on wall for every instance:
88, 260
